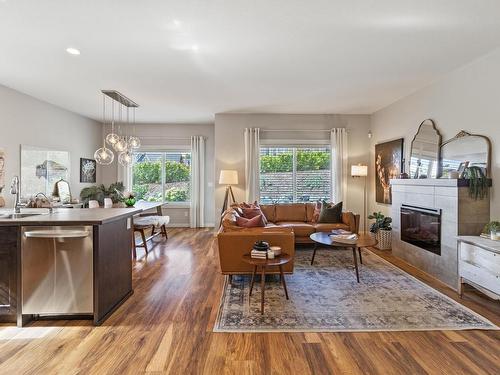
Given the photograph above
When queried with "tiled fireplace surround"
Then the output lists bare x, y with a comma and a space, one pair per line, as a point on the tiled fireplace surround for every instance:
460, 215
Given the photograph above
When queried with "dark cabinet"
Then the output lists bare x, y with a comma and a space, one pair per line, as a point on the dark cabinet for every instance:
9, 250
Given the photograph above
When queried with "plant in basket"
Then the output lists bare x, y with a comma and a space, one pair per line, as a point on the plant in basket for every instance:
381, 229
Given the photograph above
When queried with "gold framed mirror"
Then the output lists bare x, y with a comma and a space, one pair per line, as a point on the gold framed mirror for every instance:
465, 150
424, 153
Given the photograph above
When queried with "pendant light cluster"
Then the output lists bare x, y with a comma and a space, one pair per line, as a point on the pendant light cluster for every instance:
117, 140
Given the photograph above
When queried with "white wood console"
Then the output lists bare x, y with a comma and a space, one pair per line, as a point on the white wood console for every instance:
479, 264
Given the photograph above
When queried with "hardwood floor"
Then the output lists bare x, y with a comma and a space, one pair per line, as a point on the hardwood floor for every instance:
165, 327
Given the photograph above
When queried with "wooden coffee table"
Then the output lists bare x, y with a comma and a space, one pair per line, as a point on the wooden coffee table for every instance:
323, 238
279, 261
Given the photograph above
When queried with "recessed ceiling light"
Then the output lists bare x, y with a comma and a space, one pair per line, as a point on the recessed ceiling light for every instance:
176, 23
195, 47
73, 51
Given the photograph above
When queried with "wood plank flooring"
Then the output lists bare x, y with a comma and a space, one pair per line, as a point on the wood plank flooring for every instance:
165, 328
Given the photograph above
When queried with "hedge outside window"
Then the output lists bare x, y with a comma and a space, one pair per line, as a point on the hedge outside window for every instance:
162, 176
294, 174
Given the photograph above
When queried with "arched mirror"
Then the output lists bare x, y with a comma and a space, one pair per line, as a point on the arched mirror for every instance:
63, 191
466, 150
424, 157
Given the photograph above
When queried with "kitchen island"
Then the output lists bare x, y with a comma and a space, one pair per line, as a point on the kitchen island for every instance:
70, 263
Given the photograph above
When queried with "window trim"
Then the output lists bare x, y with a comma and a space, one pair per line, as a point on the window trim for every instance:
163, 150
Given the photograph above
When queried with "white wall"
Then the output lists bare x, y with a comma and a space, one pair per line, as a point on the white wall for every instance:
230, 148
29, 121
175, 135
466, 99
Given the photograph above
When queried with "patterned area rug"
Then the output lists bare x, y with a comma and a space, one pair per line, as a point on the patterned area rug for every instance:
326, 297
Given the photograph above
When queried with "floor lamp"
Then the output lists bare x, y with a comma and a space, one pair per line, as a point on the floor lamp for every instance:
361, 171
228, 177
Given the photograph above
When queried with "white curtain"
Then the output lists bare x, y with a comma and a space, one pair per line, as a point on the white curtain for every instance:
338, 141
252, 164
197, 209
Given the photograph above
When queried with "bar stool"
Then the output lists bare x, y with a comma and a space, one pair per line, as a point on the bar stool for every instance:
144, 222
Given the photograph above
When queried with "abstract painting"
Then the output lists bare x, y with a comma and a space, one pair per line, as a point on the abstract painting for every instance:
88, 169
41, 168
388, 161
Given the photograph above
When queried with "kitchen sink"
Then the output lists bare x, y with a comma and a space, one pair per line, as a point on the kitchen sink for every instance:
16, 216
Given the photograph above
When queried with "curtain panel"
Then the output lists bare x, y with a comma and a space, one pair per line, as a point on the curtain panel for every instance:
197, 208
338, 141
252, 164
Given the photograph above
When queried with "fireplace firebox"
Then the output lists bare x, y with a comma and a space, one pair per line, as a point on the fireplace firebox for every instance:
421, 227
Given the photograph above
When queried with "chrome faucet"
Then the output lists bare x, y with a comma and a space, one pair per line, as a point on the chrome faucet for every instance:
14, 189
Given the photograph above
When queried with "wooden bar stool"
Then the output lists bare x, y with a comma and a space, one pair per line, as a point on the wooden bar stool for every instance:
142, 223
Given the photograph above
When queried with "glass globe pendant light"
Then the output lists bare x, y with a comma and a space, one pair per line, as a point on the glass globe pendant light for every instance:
121, 145
104, 155
134, 142
112, 138
125, 158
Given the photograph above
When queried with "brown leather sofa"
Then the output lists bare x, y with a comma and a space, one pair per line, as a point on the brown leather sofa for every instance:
299, 217
288, 224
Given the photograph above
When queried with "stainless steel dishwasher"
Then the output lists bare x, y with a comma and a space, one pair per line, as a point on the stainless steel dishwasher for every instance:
57, 270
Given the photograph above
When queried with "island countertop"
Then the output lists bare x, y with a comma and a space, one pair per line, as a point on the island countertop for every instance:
68, 216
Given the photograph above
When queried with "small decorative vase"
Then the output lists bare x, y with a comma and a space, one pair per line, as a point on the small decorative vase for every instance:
384, 239
130, 202
494, 235
108, 203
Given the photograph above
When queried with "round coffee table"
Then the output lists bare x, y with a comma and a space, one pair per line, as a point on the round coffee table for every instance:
279, 261
323, 238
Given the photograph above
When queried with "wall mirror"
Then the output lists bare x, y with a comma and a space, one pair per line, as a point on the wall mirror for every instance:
466, 150
63, 191
425, 147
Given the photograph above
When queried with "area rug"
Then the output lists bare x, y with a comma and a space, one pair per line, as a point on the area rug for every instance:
325, 297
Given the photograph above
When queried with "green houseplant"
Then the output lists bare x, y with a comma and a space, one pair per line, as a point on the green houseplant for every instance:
493, 228
99, 192
478, 182
381, 229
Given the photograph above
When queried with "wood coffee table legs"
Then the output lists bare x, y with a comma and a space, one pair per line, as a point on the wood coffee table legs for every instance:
263, 288
263, 284
314, 253
282, 278
355, 257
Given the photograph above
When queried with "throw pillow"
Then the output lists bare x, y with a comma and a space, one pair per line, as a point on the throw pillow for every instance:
331, 213
317, 212
257, 221
250, 213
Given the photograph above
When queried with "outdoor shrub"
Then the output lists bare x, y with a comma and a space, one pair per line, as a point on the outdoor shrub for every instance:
176, 195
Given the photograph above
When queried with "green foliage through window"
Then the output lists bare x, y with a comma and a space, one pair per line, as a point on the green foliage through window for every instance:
153, 183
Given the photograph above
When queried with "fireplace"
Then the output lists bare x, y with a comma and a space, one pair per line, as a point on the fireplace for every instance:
421, 227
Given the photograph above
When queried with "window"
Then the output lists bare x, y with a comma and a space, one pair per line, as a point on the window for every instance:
294, 174
162, 176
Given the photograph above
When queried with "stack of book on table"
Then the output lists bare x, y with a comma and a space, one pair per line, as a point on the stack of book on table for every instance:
343, 236
258, 254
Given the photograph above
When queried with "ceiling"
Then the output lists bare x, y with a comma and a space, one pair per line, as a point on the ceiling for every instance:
185, 60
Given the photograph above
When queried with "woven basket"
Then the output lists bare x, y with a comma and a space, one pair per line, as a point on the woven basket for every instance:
384, 239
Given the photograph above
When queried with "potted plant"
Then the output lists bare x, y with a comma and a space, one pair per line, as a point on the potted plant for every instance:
381, 229
128, 197
99, 192
478, 182
493, 229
